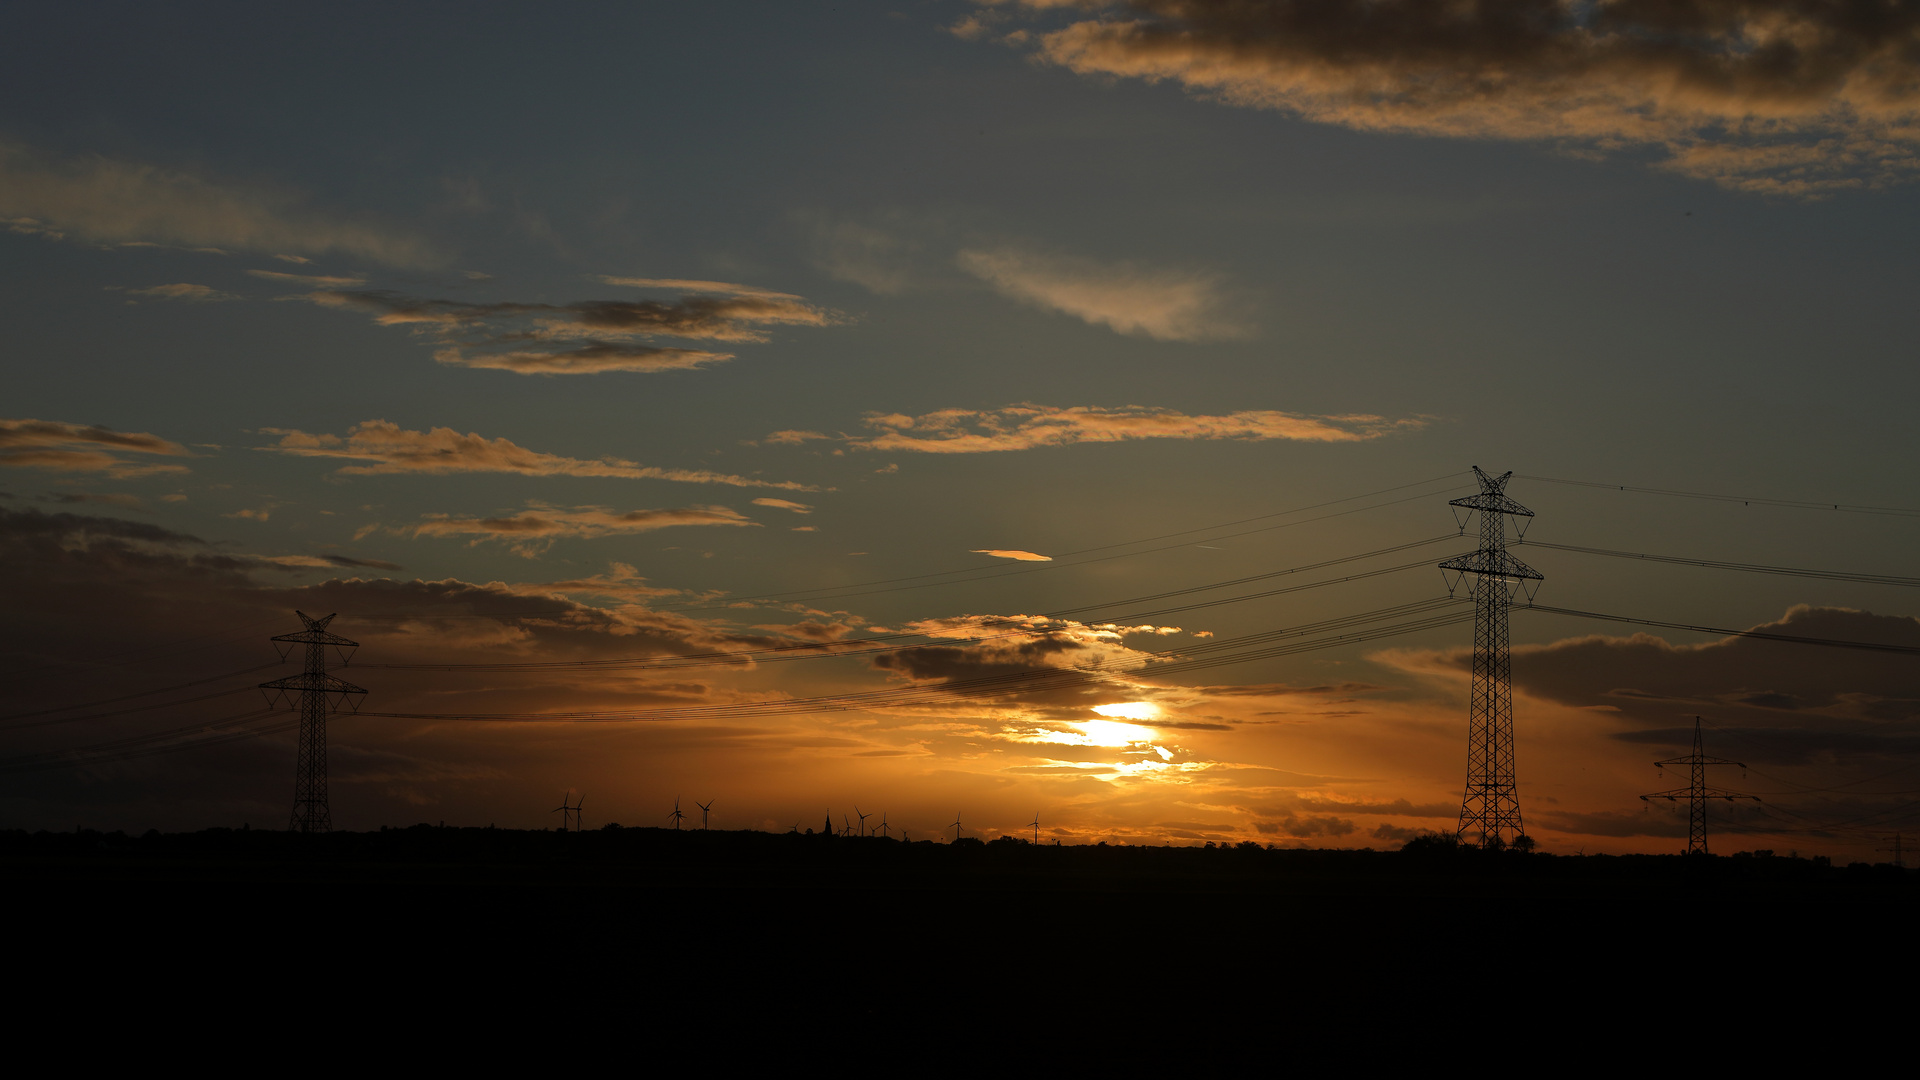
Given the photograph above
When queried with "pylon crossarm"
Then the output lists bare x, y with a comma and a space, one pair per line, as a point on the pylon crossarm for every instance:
317, 637
1492, 564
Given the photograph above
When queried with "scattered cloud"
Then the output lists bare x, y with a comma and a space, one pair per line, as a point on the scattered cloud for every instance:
329, 562
589, 359
104, 201
794, 438
1168, 305
197, 293
785, 504
1026, 426
385, 448
535, 529
1787, 97
320, 281
50, 444
586, 337
1013, 553
1774, 701
260, 514
876, 259
688, 285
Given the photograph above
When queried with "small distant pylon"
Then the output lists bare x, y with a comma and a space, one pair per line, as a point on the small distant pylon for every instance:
1697, 791
1898, 858
320, 694
1491, 805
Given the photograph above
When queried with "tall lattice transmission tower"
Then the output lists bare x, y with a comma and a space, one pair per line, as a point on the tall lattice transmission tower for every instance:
1697, 792
320, 694
1491, 806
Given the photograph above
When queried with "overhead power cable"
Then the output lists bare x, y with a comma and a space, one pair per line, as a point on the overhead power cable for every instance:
1750, 568
812, 650
1058, 562
1792, 639
1419, 615
140, 694
1744, 500
143, 745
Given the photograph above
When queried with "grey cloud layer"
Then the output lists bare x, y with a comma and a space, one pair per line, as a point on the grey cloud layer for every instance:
586, 337
381, 447
1779, 96
1027, 426
51, 444
103, 201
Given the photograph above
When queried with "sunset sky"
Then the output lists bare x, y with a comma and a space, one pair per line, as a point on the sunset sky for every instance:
554, 337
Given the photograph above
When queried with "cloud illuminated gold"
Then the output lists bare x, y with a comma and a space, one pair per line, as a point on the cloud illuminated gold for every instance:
1012, 553
385, 448
586, 337
1163, 304
183, 291
51, 444
1026, 426
1795, 97
535, 529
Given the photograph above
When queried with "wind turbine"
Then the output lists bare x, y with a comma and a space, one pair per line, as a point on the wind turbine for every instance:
883, 826
676, 815
569, 812
1036, 827
956, 827
863, 820
846, 826
706, 807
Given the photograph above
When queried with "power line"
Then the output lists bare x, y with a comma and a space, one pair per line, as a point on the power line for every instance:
1791, 639
811, 650
832, 593
1328, 633
1751, 568
1744, 500
140, 694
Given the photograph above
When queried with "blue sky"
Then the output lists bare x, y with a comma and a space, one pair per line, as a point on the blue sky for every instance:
621, 249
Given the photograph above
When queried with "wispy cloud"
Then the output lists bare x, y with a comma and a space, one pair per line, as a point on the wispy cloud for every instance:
1795, 97
690, 285
321, 281
385, 448
51, 444
1027, 426
183, 291
100, 200
534, 530
784, 504
586, 337
329, 562
1012, 553
1168, 305
589, 359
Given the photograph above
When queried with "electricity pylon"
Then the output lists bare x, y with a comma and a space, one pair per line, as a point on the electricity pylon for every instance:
320, 694
1697, 791
1899, 857
1491, 806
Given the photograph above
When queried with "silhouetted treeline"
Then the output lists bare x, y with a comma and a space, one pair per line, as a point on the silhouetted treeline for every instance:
721, 858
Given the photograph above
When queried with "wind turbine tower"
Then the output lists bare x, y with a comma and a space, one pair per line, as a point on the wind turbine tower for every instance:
569, 811
705, 809
676, 815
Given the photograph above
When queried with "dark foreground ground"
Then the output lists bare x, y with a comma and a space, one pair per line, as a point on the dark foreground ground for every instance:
695, 931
